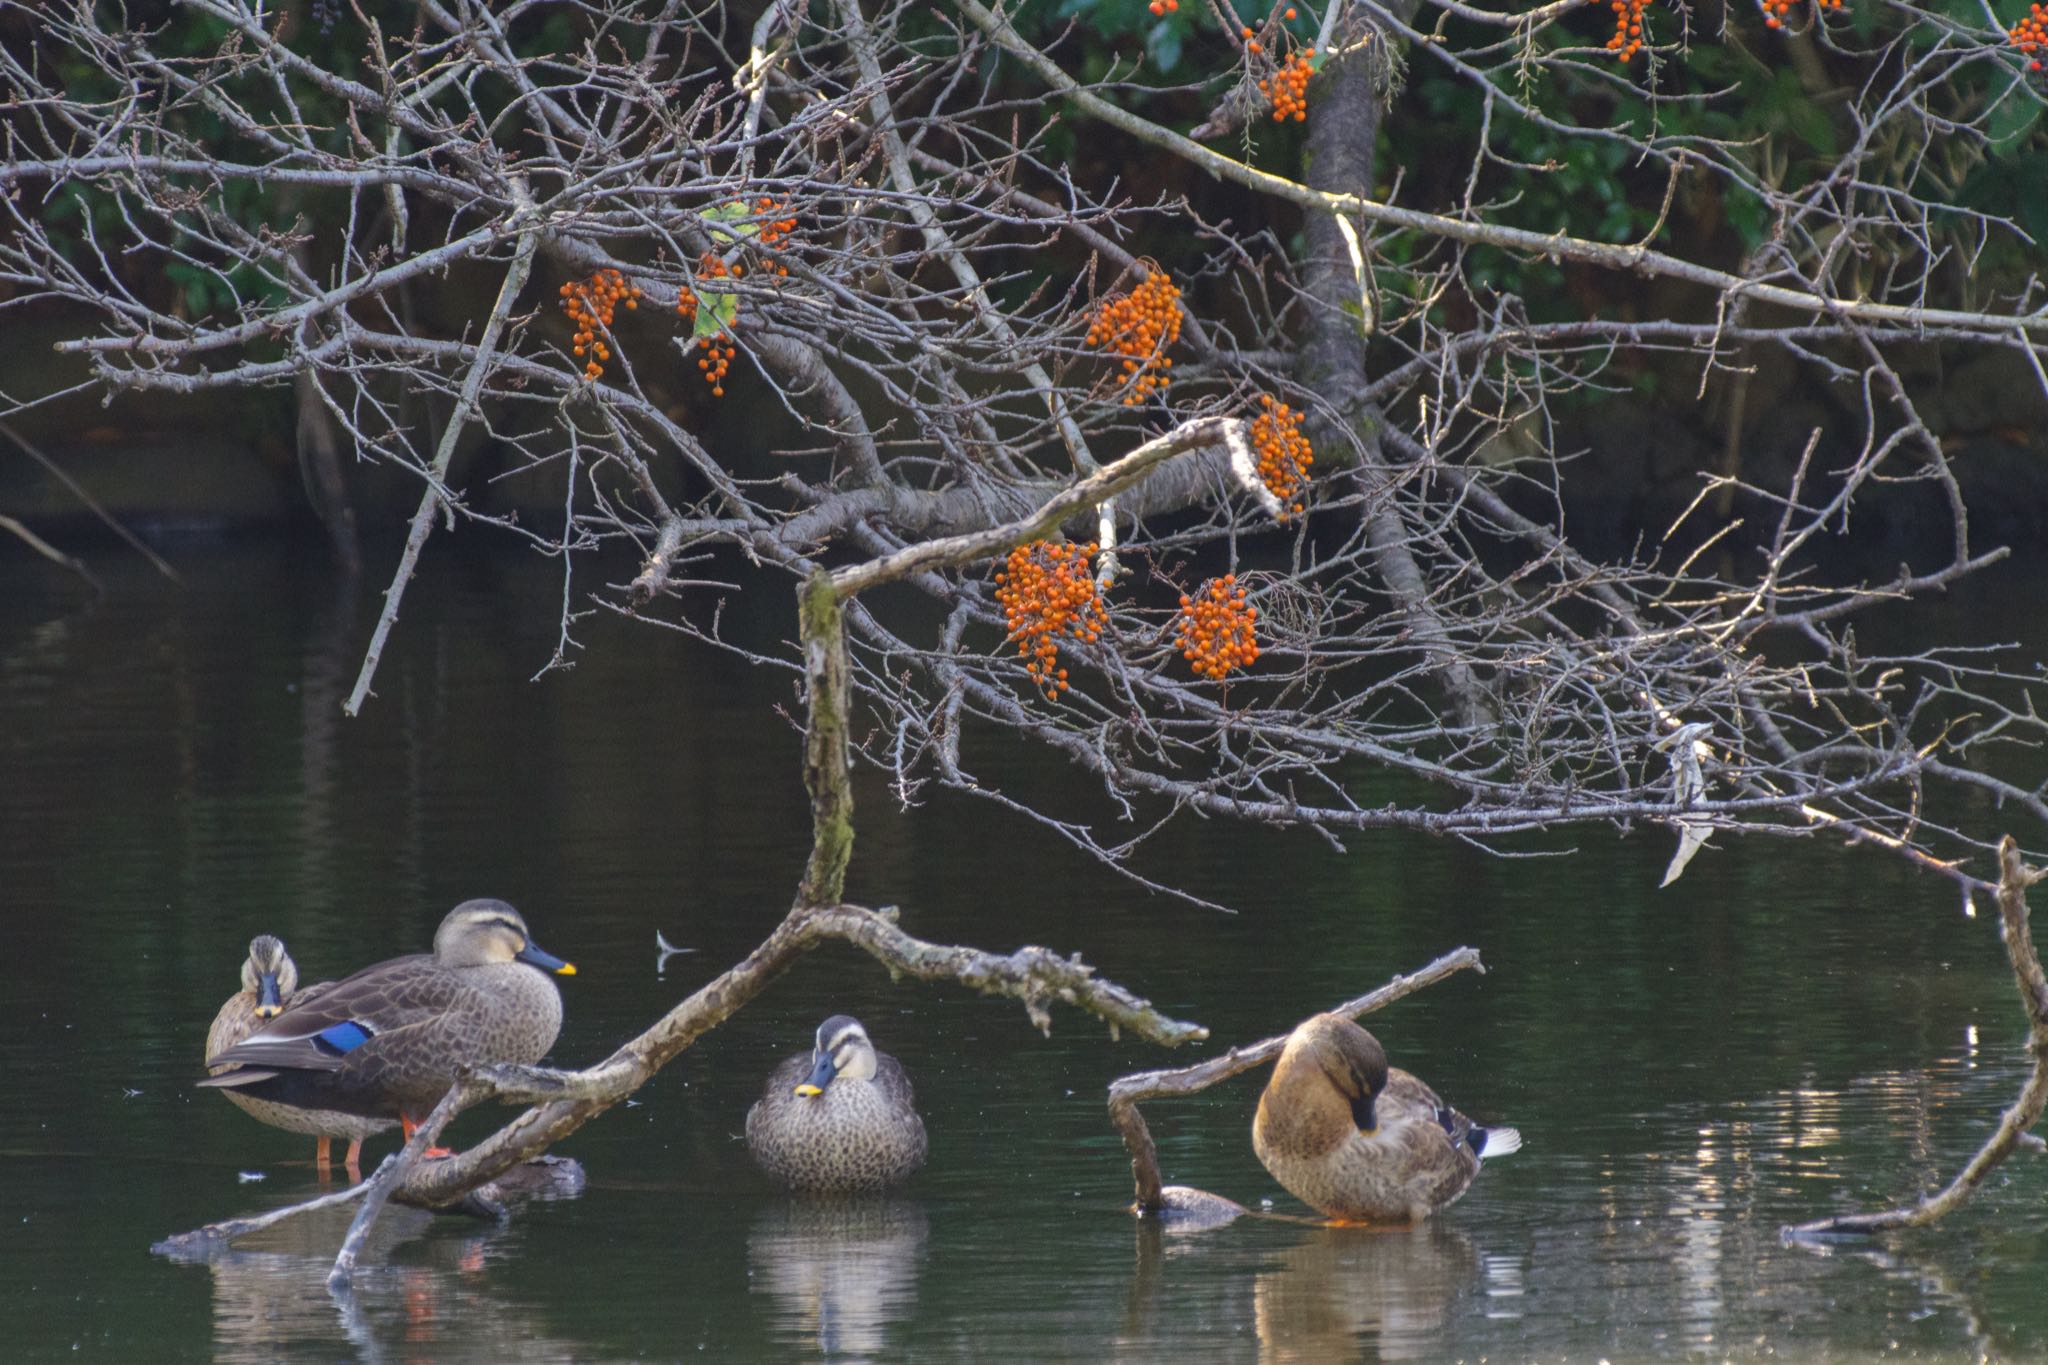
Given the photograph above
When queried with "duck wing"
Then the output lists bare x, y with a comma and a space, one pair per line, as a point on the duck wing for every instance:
324, 1024
1417, 1098
894, 1083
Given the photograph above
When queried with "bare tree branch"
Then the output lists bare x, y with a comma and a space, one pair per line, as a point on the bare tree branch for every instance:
1126, 1092
2016, 1123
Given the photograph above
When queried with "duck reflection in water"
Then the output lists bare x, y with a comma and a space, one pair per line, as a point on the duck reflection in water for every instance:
270, 1300
842, 1272
1352, 1293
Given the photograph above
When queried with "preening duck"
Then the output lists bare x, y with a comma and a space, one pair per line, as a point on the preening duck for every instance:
837, 1119
388, 1042
1360, 1141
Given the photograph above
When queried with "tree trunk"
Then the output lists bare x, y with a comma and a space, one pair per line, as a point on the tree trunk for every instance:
1344, 120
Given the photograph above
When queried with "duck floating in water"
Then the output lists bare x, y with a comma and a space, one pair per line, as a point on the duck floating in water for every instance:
388, 1042
839, 1118
270, 983
1360, 1141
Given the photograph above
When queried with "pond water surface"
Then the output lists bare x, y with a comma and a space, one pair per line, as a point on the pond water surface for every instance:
1794, 1029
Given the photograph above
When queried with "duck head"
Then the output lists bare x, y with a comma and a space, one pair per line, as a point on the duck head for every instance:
842, 1050
269, 974
482, 933
1348, 1058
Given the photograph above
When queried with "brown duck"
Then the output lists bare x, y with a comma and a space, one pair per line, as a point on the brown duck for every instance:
270, 983
1360, 1141
387, 1042
838, 1119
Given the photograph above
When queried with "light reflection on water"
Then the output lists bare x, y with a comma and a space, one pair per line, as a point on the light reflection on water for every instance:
1791, 1032
417, 1296
840, 1273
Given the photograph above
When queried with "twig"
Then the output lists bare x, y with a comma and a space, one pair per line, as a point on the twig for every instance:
92, 505
50, 552
433, 496
1126, 1091
2014, 877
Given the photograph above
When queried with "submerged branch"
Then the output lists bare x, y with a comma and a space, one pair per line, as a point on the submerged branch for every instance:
2016, 1123
1126, 1091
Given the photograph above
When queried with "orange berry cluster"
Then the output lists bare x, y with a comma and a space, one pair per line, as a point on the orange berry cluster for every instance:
1217, 629
1288, 88
1776, 10
776, 230
2030, 35
718, 349
589, 304
715, 361
1164, 6
1139, 326
1046, 591
1628, 28
1284, 453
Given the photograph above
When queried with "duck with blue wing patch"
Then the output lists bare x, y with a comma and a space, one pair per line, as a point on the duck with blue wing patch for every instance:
388, 1042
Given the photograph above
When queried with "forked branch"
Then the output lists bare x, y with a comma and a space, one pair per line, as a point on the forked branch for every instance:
1126, 1091
2014, 877
563, 1101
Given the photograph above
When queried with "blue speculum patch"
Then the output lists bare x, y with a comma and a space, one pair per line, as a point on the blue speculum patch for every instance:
344, 1037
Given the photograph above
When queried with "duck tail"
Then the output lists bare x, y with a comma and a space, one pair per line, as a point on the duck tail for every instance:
240, 1076
1492, 1142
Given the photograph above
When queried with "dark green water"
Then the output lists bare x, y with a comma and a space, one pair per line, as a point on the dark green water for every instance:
1792, 1030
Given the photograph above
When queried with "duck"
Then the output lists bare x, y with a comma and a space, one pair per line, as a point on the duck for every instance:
1362, 1142
838, 1119
270, 982
388, 1042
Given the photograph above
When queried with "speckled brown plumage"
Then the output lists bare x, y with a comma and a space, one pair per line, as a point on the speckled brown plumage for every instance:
1361, 1141
469, 1003
861, 1133
237, 1019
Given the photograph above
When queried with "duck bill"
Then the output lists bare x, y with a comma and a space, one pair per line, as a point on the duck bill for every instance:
545, 960
820, 1077
269, 999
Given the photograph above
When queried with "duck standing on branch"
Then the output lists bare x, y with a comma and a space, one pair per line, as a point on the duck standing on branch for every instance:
1362, 1142
389, 1041
270, 983
839, 1118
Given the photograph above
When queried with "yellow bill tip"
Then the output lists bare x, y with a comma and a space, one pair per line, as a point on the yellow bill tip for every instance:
269, 1011
807, 1090
566, 969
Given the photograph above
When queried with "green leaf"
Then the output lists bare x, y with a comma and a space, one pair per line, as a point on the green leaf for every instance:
725, 221
1163, 45
2013, 115
716, 310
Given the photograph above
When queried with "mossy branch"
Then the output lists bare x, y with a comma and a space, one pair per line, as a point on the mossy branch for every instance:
826, 767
